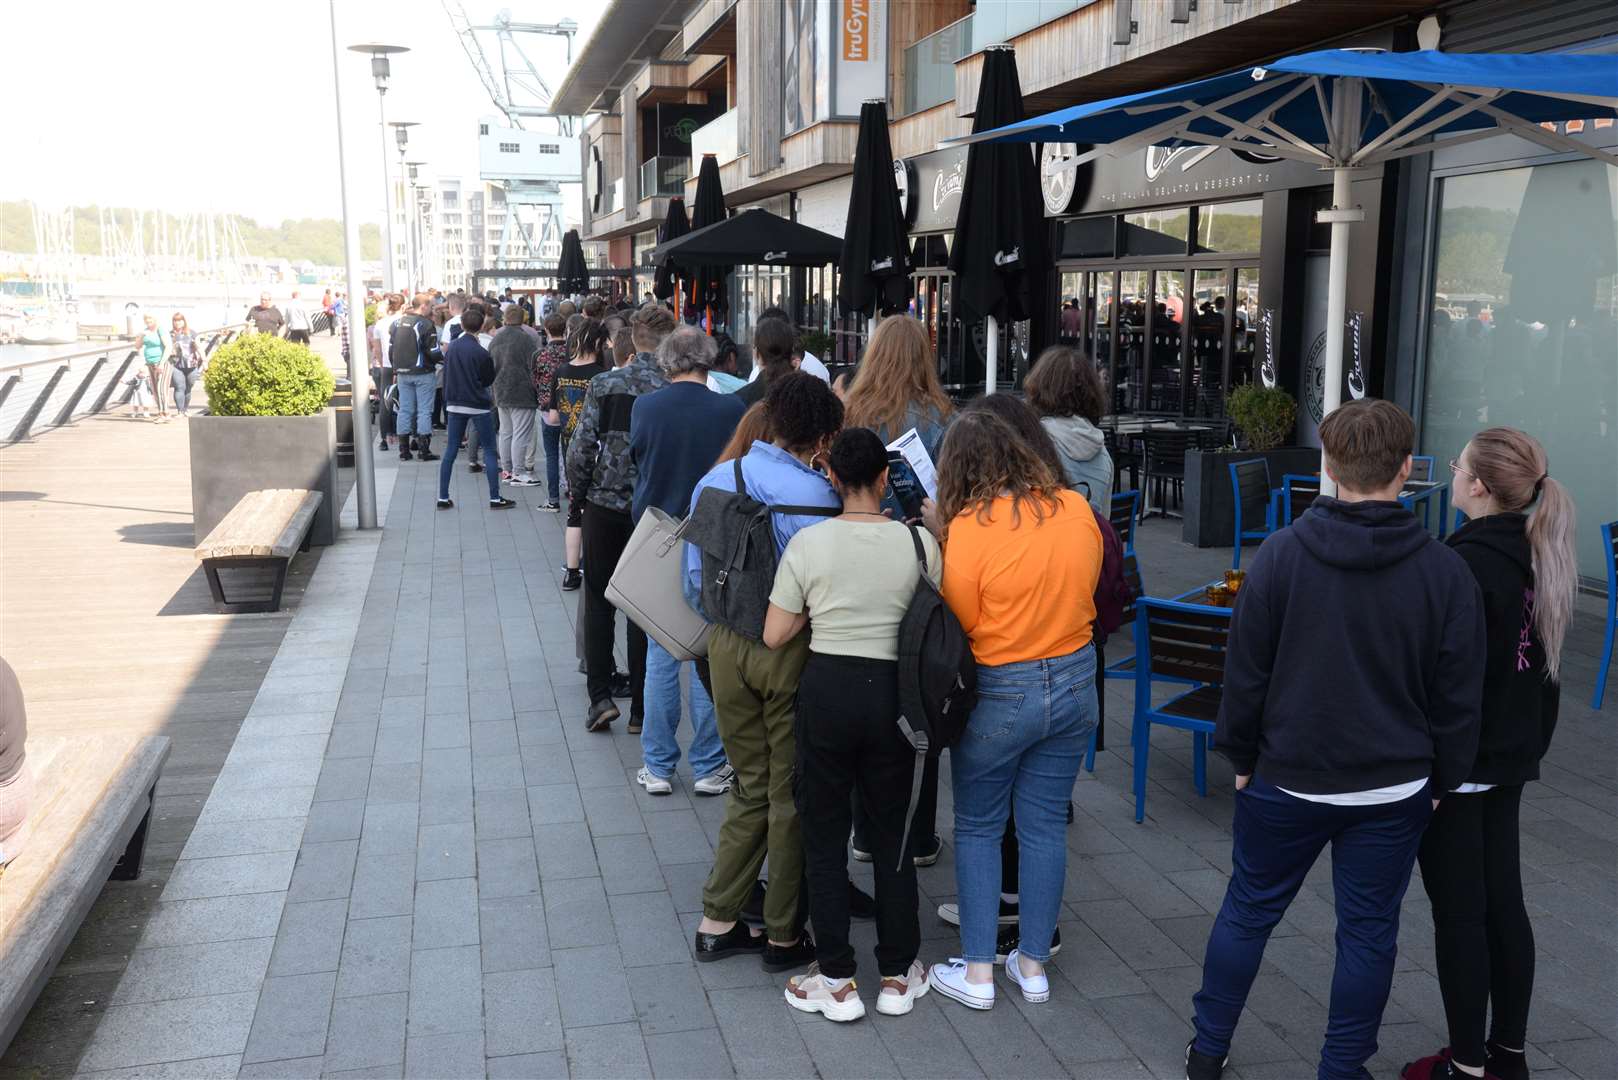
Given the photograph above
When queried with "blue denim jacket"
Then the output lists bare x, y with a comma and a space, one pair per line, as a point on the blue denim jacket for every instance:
772, 476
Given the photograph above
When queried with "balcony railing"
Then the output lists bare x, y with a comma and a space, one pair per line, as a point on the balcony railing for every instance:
929, 67
665, 175
717, 137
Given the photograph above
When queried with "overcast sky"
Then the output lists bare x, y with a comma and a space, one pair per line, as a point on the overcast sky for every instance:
227, 105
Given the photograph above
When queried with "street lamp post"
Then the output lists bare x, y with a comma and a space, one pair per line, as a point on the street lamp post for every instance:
359, 371
401, 137
380, 71
419, 260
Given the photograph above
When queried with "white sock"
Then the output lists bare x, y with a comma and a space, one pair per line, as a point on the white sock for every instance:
1008, 898
1469, 1070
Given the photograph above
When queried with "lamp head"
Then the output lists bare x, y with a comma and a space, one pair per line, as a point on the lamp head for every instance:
379, 54
401, 132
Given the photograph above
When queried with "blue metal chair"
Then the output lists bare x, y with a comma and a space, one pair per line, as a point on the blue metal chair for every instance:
1137, 589
1125, 504
1609, 546
1182, 643
1250, 483
1298, 492
1421, 467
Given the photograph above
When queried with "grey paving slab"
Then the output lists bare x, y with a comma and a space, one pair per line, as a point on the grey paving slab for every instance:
550, 1066
214, 1068
344, 778
375, 957
230, 875
688, 1055
162, 1031
341, 819
628, 865
648, 930
184, 971
502, 814
308, 1068
310, 938
611, 811
549, 804
367, 1032
669, 997
507, 867
445, 851
760, 1032
576, 912
383, 885
389, 828
512, 933
214, 918
292, 1018
498, 771
446, 913
521, 1012
438, 1057
607, 1053
324, 871
446, 991
564, 850
595, 988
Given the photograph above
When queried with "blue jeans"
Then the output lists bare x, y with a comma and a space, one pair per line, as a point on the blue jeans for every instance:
658, 744
416, 402
483, 424
1022, 747
183, 380
1277, 838
552, 434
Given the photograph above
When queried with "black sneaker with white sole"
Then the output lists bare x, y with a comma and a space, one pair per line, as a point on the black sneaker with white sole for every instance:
951, 913
501, 504
1007, 939
1199, 1066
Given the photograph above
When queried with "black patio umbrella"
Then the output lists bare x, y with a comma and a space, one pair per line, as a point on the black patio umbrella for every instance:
751, 238
674, 226
705, 284
999, 256
572, 275
874, 272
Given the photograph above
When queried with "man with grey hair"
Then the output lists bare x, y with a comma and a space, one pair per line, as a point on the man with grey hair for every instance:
675, 435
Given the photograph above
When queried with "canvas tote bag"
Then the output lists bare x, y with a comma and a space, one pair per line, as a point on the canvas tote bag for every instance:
646, 586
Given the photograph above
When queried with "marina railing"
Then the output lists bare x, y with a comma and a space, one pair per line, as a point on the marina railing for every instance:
36, 395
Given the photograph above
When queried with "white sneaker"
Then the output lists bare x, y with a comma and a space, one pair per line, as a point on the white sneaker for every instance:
835, 999
717, 782
899, 994
1035, 988
950, 980
654, 785
523, 481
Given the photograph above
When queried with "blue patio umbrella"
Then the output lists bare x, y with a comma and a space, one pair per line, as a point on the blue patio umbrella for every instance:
1343, 109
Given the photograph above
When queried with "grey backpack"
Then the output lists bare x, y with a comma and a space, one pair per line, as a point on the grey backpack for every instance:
737, 540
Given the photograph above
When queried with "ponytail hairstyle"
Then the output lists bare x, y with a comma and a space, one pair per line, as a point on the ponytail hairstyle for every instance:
1512, 465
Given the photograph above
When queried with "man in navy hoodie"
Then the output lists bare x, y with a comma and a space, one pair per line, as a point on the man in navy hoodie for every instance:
468, 374
1351, 705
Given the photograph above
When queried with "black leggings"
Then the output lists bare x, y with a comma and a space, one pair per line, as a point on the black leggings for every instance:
1484, 941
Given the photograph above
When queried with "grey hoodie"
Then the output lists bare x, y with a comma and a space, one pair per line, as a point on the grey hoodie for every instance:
1083, 450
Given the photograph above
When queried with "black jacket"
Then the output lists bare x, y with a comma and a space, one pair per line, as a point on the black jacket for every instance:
1356, 656
468, 373
1519, 702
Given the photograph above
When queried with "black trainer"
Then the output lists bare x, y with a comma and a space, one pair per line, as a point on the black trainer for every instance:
786, 957
1200, 1066
476, 466
619, 685
502, 503
738, 939
928, 855
1007, 937
571, 579
446, 504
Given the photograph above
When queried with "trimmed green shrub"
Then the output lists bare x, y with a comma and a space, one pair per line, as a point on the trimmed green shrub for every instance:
263, 375
818, 342
1264, 414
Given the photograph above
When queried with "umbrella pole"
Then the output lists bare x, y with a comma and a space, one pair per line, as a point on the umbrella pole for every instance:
1340, 216
991, 367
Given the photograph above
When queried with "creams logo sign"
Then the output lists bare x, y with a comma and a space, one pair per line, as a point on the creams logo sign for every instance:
857, 30
948, 184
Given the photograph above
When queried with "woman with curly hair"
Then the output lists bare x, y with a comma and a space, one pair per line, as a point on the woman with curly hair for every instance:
1022, 555
1065, 391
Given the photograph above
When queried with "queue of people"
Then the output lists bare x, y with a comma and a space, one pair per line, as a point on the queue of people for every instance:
1414, 745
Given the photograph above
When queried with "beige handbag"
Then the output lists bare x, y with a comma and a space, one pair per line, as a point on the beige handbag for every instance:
646, 586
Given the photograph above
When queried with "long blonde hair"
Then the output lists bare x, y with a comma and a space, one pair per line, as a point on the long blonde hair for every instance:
1513, 466
896, 372
983, 458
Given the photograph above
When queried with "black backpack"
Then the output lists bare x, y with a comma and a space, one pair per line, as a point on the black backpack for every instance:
734, 532
413, 344
938, 678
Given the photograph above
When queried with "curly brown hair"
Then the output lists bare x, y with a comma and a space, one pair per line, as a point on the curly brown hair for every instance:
982, 459
1065, 383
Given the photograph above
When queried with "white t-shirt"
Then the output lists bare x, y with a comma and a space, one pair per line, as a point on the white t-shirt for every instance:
811, 366
855, 578
383, 332
1369, 797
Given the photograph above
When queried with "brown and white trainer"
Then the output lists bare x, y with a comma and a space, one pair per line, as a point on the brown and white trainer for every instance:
835, 999
899, 994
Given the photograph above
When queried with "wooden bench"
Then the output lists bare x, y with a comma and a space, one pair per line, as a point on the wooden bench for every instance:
261, 531
91, 806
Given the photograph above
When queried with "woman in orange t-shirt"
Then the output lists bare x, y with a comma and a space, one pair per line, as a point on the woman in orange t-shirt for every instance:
1021, 558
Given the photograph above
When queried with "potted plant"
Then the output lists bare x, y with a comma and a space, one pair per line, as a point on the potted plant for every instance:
1263, 417
267, 426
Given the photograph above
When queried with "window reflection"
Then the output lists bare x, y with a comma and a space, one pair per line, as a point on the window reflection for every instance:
1128, 392
1168, 310
1157, 232
1521, 325
1207, 329
1244, 326
1232, 226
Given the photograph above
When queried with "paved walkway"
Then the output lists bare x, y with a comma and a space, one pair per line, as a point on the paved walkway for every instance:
416, 862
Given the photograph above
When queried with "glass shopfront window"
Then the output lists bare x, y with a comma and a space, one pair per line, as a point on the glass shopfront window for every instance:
1232, 226
1521, 325
1157, 232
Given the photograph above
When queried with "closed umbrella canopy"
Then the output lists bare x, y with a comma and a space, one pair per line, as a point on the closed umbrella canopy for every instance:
999, 254
1343, 109
752, 238
572, 275
674, 226
705, 284
874, 272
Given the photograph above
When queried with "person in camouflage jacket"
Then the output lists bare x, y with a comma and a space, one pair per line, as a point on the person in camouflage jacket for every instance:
601, 471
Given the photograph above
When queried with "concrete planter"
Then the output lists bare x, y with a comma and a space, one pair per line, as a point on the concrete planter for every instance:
232, 455
1210, 504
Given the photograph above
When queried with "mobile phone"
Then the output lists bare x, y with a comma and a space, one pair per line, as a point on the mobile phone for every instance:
904, 486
